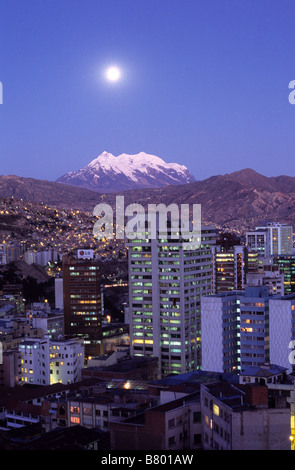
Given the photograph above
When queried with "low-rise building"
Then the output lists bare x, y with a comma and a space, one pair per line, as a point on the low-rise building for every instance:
51, 322
10, 368
99, 411
35, 361
174, 425
46, 362
129, 368
22, 414
66, 360
238, 417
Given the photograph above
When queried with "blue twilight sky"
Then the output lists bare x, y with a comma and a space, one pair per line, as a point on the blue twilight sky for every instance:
204, 83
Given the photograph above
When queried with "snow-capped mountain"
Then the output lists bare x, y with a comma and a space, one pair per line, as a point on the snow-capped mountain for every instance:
108, 173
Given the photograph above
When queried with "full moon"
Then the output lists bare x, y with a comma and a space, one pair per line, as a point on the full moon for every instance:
113, 74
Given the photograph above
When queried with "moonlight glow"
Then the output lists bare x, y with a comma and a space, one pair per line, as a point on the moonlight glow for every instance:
113, 74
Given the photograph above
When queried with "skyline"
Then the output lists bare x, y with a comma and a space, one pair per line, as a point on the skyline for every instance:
204, 84
139, 310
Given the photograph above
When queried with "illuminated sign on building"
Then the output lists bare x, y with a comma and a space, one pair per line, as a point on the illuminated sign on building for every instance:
85, 254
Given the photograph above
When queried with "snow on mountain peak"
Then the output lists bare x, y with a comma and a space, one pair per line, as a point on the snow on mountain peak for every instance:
138, 162
109, 173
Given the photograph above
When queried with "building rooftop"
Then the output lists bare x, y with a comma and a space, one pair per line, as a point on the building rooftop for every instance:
229, 394
140, 418
27, 392
34, 410
69, 438
125, 365
197, 377
179, 402
268, 370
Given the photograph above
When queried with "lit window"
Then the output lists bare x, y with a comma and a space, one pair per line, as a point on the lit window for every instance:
75, 420
75, 409
216, 410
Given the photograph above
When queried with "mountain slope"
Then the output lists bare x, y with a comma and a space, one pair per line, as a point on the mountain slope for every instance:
108, 173
239, 200
47, 192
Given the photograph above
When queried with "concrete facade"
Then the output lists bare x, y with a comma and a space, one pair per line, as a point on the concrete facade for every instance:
239, 418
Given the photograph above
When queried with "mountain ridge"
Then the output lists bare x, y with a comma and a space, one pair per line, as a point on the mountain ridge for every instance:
236, 200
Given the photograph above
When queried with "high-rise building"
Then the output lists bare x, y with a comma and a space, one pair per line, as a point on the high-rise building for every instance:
281, 331
166, 282
271, 239
269, 275
82, 301
254, 262
258, 241
13, 252
286, 265
281, 239
248, 328
230, 267
235, 329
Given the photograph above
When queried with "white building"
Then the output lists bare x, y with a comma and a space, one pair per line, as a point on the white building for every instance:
66, 361
42, 257
51, 324
281, 238
258, 241
44, 362
29, 257
58, 291
166, 284
235, 329
35, 361
248, 329
41, 316
271, 239
281, 331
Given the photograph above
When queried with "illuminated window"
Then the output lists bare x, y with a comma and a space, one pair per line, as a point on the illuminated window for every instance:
75, 420
75, 409
216, 410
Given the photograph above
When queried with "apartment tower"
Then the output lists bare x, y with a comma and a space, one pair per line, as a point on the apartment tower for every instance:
166, 282
271, 239
230, 267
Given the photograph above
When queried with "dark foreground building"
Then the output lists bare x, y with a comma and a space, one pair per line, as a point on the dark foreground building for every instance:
82, 302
